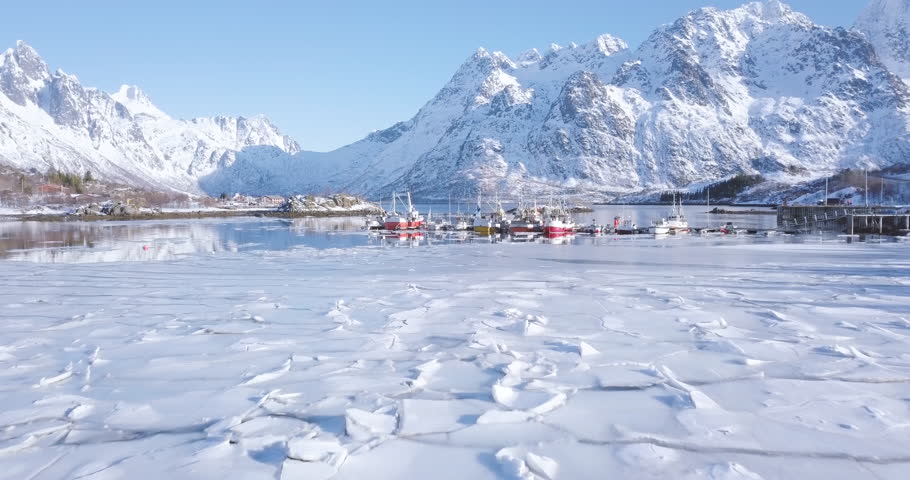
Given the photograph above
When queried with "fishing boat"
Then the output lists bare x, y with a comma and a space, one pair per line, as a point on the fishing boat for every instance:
488, 224
409, 221
557, 223
528, 222
373, 223
593, 228
625, 226
461, 225
729, 229
482, 224
677, 220
659, 227
437, 224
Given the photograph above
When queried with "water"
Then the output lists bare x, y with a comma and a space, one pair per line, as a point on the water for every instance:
73, 241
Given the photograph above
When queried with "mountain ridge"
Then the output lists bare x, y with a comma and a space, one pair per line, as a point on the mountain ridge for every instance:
755, 89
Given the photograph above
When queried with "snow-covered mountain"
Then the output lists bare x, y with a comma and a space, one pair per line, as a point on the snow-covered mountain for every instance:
51, 120
756, 89
886, 24
759, 88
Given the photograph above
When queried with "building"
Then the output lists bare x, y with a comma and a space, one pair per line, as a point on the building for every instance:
271, 200
52, 189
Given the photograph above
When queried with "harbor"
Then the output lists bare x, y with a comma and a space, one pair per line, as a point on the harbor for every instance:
845, 219
552, 219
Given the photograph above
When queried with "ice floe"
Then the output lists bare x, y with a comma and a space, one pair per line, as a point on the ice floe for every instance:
733, 361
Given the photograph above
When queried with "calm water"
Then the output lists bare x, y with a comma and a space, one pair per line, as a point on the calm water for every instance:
168, 239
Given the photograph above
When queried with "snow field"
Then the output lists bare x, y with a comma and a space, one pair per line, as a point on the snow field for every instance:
645, 360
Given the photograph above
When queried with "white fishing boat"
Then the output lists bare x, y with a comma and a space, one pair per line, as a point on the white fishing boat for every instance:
461, 225
677, 221
659, 227
625, 226
593, 228
437, 224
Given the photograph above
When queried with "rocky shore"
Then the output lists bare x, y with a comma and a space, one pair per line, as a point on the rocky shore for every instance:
338, 205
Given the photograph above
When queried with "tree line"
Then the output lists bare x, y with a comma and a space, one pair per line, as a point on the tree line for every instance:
724, 189
72, 180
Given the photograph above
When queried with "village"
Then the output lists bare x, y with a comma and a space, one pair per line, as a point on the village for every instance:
53, 194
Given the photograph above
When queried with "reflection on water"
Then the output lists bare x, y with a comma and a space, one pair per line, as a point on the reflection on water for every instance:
80, 242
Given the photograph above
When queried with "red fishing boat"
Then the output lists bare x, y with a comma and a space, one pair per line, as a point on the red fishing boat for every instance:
557, 223
410, 220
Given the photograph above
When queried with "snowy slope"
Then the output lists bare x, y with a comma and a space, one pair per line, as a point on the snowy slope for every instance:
51, 120
886, 24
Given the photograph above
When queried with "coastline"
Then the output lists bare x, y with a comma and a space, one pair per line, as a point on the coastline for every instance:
185, 215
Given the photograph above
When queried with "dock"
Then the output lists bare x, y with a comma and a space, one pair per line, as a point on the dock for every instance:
848, 219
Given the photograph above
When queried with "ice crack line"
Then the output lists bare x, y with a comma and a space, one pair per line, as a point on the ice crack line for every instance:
682, 446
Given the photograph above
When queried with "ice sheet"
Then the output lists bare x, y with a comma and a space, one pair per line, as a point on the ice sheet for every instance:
636, 360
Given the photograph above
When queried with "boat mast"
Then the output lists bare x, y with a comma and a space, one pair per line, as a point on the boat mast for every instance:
826, 192
881, 192
866, 172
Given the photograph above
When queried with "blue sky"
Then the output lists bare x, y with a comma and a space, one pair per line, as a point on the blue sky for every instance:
326, 73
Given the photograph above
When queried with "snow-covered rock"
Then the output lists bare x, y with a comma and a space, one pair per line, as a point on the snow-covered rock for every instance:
335, 203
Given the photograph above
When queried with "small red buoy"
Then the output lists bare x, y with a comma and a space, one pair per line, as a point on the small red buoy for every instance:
145, 247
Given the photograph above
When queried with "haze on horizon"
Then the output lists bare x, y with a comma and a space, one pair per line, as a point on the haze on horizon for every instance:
324, 74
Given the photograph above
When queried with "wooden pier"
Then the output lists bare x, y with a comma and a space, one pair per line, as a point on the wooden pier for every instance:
849, 219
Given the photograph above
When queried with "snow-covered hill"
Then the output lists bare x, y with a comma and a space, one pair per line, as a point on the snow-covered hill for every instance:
50, 120
756, 89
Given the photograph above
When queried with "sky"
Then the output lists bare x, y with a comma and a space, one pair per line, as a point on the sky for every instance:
326, 73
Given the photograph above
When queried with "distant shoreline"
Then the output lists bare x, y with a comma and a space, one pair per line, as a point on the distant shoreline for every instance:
185, 215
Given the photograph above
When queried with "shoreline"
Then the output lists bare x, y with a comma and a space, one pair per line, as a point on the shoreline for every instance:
185, 215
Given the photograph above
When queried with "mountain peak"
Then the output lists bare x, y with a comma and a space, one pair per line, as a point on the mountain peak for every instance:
137, 101
132, 92
608, 44
26, 59
22, 73
24, 52
767, 12
529, 57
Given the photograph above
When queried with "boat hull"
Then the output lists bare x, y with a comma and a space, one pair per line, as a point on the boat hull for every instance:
522, 229
485, 230
401, 225
552, 231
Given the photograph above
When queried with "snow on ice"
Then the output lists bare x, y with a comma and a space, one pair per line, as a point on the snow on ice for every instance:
681, 359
